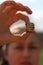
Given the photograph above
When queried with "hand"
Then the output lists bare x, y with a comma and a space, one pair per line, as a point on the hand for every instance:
5, 20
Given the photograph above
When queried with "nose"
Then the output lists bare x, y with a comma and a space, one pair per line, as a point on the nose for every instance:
25, 54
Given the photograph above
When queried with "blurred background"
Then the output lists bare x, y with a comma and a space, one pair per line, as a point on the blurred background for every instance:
37, 17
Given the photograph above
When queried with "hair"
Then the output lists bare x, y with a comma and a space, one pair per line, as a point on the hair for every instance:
4, 47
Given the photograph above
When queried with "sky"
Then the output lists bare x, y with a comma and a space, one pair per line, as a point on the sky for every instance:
37, 16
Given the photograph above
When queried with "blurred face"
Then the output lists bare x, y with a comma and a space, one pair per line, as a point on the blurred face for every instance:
25, 52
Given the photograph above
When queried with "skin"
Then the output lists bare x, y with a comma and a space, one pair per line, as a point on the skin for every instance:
26, 50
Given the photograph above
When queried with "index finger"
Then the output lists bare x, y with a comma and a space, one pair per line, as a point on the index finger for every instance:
17, 6
25, 8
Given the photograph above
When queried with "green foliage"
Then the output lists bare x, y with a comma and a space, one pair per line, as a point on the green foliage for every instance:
41, 58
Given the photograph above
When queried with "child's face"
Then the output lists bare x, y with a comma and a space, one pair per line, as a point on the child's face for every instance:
25, 52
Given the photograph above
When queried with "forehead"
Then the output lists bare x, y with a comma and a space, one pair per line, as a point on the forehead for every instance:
27, 39
30, 37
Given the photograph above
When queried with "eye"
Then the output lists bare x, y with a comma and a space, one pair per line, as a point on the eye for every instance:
19, 47
33, 48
